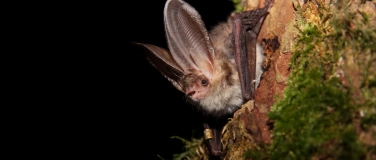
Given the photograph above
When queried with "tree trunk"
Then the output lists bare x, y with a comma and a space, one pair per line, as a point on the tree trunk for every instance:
324, 52
251, 128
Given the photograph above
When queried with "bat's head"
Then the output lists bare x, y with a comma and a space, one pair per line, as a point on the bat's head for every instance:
196, 86
216, 94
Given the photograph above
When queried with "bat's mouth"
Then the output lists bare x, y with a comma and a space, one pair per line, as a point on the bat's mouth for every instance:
191, 93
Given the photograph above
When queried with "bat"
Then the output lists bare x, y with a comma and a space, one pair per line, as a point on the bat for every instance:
218, 70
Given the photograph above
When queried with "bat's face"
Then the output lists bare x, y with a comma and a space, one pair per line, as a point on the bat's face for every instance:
220, 94
196, 86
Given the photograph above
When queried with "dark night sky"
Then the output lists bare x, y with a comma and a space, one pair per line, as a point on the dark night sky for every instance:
129, 106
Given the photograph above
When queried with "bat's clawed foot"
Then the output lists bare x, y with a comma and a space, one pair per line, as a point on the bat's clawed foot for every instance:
216, 153
252, 17
213, 136
214, 146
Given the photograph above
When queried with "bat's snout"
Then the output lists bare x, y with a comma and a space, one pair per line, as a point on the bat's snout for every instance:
190, 93
194, 93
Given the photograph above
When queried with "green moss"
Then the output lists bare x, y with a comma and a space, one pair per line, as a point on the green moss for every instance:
238, 5
194, 149
332, 81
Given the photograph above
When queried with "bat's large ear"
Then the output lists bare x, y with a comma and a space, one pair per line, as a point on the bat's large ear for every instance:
188, 39
161, 59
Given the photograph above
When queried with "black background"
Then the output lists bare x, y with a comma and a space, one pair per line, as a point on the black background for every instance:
127, 108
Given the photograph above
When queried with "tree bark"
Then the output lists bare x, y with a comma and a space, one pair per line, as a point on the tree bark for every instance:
250, 128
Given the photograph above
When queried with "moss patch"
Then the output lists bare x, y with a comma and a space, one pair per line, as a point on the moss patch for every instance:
327, 103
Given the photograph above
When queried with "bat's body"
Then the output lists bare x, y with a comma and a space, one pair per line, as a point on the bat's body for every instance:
216, 71
223, 95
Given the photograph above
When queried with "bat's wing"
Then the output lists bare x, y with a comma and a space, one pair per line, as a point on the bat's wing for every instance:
246, 26
188, 39
162, 60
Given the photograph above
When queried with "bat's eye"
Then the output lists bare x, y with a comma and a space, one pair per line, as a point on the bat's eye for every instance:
204, 82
